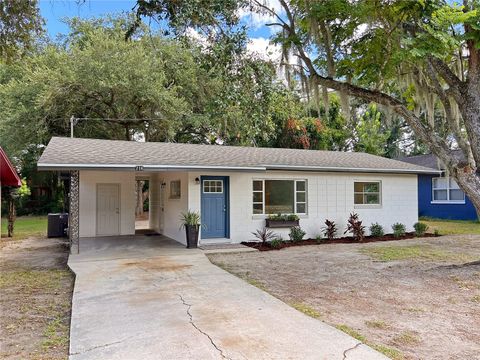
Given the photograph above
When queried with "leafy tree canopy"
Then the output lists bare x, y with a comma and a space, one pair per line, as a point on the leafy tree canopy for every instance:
152, 86
20, 23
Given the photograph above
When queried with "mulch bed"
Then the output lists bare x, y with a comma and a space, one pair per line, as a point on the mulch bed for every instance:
343, 240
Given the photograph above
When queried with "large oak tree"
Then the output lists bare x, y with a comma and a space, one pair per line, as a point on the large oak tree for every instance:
417, 59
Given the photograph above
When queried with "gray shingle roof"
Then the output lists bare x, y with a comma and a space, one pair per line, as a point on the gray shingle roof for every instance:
70, 154
430, 160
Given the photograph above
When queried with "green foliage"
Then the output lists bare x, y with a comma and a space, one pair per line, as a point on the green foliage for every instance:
398, 230
276, 243
20, 24
190, 218
370, 136
420, 228
376, 230
296, 234
185, 93
185, 14
283, 217
23, 190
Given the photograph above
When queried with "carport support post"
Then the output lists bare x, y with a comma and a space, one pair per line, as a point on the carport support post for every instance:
74, 213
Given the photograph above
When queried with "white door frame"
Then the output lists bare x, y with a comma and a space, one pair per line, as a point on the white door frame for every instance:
119, 208
161, 220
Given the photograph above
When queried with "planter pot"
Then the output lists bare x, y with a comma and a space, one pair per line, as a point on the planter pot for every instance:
192, 235
270, 223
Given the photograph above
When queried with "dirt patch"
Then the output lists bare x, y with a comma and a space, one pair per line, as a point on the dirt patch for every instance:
157, 263
35, 305
400, 301
267, 246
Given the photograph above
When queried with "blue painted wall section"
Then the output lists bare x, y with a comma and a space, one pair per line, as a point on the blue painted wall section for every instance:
441, 211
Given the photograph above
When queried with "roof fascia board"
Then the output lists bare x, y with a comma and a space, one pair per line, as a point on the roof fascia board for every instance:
344, 169
139, 168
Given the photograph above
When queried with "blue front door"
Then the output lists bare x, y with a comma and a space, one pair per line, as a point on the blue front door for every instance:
215, 209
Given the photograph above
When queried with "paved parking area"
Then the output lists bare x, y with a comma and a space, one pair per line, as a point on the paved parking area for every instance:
147, 297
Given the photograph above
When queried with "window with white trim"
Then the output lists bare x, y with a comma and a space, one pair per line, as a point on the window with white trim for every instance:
213, 186
279, 196
175, 189
367, 192
445, 189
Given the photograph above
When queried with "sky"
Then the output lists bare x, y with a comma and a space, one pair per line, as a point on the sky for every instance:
54, 11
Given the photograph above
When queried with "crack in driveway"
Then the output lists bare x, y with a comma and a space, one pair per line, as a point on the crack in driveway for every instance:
220, 351
102, 346
350, 349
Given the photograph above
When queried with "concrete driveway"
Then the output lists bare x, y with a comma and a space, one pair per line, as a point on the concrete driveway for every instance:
149, 298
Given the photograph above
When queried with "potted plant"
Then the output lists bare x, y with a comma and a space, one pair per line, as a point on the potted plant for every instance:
191, 222
279, 220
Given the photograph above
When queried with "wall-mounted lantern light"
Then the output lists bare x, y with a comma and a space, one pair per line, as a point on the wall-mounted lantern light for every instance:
197, 181
163, 185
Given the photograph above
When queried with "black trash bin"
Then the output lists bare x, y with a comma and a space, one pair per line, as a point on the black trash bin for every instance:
57, 225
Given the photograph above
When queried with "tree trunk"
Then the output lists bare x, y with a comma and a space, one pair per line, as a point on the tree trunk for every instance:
470, 184
140, 199
467, 178
12, 215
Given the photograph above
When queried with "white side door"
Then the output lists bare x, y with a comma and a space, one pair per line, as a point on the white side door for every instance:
108, 209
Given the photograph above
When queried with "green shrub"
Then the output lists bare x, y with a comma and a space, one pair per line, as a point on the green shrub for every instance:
376, 230
296, 234
420, 228
436, 232
319, 238
398, 230
276, 243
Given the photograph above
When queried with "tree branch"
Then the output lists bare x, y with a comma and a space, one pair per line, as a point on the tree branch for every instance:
450, 78
446, 102
437, 144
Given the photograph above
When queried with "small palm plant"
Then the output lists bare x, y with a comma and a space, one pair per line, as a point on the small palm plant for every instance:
264, 235
190, 220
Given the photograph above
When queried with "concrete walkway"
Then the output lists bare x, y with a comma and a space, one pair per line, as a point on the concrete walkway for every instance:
149, 298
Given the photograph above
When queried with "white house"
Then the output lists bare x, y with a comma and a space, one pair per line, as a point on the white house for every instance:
233, 188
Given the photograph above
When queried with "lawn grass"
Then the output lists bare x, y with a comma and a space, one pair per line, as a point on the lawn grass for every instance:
306, 309
406, 338
413, 252
376, 324
452, 227
26, 226
32, 280
392, 353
